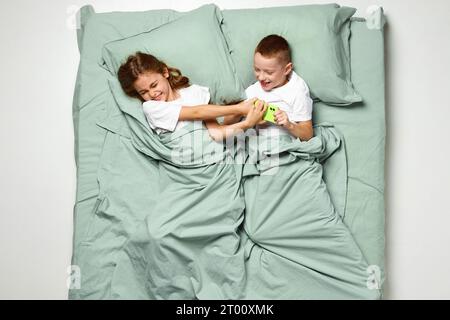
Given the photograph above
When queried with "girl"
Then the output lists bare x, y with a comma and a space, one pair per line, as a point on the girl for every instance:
188, 244
169, 100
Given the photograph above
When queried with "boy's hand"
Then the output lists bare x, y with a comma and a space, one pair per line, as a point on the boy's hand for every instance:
282, 119
255, 114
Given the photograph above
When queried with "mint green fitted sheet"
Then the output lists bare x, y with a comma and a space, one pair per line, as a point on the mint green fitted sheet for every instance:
362, 125
364, 128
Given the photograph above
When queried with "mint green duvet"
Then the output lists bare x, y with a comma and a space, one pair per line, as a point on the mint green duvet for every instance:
160, 217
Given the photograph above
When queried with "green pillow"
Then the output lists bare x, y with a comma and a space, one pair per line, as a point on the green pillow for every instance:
193, 43
319, 39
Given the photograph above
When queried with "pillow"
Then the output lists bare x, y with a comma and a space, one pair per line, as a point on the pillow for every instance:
193, 43
318, 36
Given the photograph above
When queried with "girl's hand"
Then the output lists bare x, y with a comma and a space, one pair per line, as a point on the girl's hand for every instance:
262, 123
282, 119
246, 105
254, 116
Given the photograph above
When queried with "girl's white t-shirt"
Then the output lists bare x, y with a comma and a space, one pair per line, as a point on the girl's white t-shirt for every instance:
162, 116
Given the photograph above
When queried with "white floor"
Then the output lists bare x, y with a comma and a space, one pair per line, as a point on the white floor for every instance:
38, 64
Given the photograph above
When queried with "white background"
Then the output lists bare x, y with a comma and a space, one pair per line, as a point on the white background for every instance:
39, 59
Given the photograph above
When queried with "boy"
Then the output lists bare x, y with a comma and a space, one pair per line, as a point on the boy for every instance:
278, 84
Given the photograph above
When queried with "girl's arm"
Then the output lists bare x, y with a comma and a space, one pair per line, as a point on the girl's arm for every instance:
232, 119
237, 117
220, 132
210, 111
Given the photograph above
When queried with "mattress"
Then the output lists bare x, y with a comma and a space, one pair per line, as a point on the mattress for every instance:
362, 126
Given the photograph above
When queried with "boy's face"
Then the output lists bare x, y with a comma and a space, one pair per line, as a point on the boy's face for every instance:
153, 86
270, 72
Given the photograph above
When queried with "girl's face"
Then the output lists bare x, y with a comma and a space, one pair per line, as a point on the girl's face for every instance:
270, 72
154, 86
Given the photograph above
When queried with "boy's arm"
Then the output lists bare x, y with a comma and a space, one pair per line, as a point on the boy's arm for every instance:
210, 111
302, 129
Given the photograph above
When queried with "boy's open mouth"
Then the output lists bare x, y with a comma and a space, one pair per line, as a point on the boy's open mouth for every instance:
264, 83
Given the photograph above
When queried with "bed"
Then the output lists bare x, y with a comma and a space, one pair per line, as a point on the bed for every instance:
99, 147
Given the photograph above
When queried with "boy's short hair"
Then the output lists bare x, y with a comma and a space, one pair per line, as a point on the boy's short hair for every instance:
274, 45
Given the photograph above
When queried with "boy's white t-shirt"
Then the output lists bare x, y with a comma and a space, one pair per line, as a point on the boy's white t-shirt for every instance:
162, 116
293, 98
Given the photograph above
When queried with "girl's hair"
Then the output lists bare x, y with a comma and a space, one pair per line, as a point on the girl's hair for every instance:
141, 63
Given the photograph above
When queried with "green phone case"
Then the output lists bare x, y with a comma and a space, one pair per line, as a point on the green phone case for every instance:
269, 114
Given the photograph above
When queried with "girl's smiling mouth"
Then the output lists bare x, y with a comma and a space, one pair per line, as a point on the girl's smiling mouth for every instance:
158, 97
